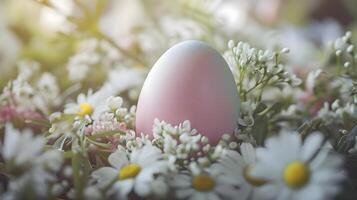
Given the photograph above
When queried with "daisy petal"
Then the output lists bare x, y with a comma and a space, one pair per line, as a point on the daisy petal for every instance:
118, 159
104, 176
311, 145
248, 152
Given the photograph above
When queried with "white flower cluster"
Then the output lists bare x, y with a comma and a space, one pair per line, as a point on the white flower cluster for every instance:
246, 55
88, 147
344, 48
342, 44
31, 168
287, 168
91, 53
91, 117
177, 163
32, 90
255, 69
184, 146
338, 112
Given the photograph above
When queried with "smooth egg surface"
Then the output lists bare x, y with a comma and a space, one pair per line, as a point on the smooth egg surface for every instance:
190, 81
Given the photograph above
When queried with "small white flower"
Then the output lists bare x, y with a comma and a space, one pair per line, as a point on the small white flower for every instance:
133, 174
326, 114
87, 56
340, 44
293, 79
311, 78
295, 170
338, 52
47, 92
231, 44
21, 150
114, 103
350, 49
92, 104
22, 147
347, 64
335, 105
290, 111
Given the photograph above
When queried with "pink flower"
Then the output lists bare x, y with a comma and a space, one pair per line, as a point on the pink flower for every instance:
28, 114
20, 116
7, 113
313, 104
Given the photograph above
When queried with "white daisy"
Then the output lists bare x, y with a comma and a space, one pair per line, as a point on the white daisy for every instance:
32, 170
114, 103
135, 173
92, 104
208, 184
298, 171
21, 148
34, 182
239, 166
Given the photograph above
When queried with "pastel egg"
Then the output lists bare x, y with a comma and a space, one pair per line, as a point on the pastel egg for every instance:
190, 81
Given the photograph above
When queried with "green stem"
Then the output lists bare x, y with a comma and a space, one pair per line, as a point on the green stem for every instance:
76, 175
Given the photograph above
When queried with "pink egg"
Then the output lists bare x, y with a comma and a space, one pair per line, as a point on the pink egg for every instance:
190, 81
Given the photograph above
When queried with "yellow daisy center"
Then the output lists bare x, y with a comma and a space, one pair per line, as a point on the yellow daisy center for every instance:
203, 183
85, 109
296, 174
129, 171
250, 179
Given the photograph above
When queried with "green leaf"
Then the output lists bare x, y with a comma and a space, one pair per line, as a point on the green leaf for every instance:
99, 143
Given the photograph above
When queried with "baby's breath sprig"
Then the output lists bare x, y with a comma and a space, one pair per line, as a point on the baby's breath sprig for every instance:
344, 52
256, 69
338, 112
